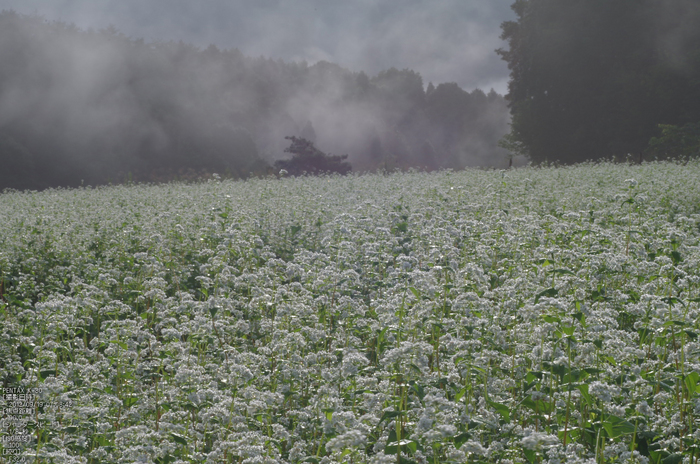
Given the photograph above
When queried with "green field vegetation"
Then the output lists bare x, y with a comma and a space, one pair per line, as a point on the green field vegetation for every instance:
534, 315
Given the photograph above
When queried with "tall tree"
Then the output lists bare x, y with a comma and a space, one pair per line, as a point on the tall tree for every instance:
594, 79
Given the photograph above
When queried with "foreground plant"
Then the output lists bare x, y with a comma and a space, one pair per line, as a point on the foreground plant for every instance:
540, 315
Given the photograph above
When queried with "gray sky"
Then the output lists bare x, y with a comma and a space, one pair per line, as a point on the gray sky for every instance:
443, 40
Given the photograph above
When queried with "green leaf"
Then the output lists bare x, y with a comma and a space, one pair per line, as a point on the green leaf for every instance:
550, 292
561, 271
676, 257
528, 385
672, 300
401, 227
502, 409
573, 376
461, 439
616, 426
179, 439
529, 403
411, 445
329, 413
46, 372
395, 446
390, 415
122, 345
559, 370
691, 382
672, 459
531, 455
675, 323
403, 460
415, 292
390, 448
643, 332
103, 441
583, 388
599, 295
419, 390
461, 394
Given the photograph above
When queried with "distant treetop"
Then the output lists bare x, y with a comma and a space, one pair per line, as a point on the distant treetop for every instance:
307, 159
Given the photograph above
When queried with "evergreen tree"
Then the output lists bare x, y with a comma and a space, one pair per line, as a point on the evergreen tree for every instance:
307, 159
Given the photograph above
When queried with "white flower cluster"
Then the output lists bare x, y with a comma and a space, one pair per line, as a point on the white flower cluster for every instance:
440, 317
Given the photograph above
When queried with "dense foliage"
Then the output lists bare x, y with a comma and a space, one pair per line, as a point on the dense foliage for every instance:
307, 159
594, 79
93, 106
676, 141
538, 315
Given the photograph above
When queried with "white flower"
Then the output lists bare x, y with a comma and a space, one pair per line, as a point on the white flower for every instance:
538, 440
350, 439
474, 447
603, 391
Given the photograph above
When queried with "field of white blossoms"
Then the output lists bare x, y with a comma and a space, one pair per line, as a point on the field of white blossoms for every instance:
536, 315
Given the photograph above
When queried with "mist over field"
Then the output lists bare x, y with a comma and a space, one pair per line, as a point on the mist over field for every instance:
90, 105
279, 254
155, 91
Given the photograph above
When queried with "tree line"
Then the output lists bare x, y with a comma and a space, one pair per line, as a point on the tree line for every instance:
94, 106
603, 79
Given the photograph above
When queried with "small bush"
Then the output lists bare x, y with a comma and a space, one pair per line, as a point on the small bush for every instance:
676, 141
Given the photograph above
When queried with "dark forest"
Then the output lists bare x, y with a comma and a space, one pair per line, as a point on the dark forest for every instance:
604, 79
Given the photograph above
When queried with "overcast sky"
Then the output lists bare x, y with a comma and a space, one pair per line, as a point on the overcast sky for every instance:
443, 40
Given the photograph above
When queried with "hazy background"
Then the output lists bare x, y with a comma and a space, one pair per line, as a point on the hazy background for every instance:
106, 91
97, 91
445, 41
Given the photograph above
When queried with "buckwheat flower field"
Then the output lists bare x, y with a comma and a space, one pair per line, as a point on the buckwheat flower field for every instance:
535, 315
